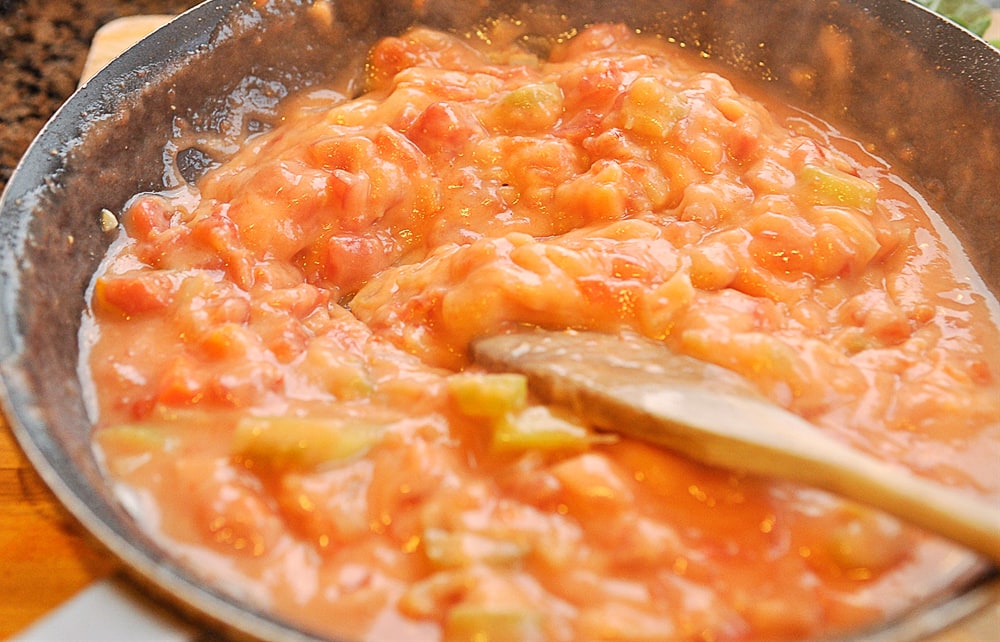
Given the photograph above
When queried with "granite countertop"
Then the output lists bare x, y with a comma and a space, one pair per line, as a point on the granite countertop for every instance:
43, 45
45, 557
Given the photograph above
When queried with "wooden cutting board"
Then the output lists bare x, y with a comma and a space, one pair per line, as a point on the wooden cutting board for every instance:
46, 558
117, 36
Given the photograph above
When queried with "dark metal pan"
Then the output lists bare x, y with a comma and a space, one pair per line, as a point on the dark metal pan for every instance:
925, 91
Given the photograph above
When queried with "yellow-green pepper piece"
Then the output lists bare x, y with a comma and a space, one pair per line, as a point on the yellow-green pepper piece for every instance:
284, 443
537, 428
132, 438
830, 186
489, 623
651, 109
531, 108
488, 395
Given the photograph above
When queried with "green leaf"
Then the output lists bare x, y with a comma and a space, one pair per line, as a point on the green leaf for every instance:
971, 14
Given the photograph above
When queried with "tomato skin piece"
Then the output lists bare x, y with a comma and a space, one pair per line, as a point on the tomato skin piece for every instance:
145, 217
133, 294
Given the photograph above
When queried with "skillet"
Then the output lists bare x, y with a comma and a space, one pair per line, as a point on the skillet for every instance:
926, 92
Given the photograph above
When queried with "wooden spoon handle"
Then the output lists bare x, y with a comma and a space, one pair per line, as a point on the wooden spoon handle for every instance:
644, 390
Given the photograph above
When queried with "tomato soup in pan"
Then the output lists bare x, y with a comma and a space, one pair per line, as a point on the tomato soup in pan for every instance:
286, 402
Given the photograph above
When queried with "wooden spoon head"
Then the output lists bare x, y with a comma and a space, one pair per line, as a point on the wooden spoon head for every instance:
626, 359
636, 387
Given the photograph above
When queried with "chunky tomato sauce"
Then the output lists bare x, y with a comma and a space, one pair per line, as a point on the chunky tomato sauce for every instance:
285, 400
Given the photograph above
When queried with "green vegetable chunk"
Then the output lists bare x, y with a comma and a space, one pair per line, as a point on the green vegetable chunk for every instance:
488, 395
284, 443
829, 186
531, 108
651, 109
537, 428
132, 438
483, 623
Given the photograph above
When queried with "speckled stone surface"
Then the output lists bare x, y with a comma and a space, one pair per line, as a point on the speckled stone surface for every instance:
43, 46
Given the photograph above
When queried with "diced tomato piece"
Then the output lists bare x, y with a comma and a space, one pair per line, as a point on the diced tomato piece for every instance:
226, 341
135, 293
388, 57
219, 235
146, 216
351, 260
182, 382
444, 129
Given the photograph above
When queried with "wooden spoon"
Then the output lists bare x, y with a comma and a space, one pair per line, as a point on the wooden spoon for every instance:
642, 389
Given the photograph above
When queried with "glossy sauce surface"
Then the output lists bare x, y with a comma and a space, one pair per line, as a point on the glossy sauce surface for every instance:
285, 400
